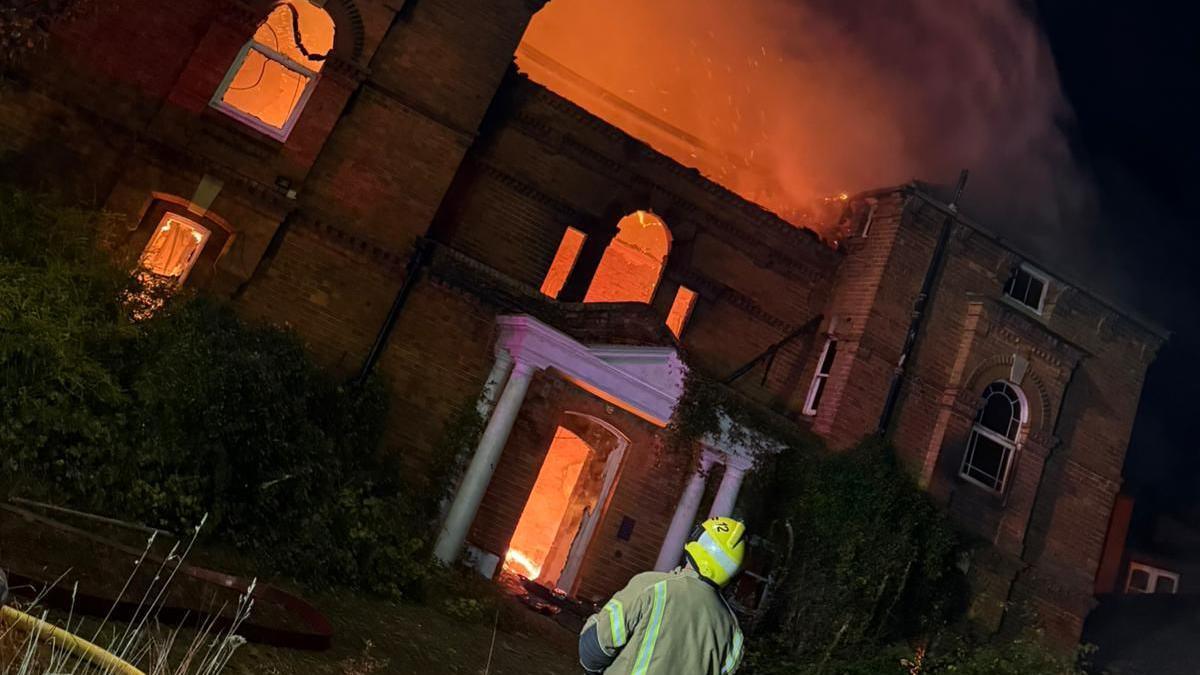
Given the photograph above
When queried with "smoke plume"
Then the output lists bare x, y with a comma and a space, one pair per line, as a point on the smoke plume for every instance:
793, 100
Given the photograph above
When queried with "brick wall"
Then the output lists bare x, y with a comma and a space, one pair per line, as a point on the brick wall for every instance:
647, 487
541, 164
1085, 366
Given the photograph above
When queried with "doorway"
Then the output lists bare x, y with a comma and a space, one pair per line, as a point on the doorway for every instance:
568, 500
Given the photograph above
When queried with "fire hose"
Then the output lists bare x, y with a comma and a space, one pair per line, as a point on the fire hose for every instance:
47, 632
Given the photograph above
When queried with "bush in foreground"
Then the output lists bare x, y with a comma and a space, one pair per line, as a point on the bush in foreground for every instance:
189, 412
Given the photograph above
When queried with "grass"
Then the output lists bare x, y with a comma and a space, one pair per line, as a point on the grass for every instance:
141, 641
466, 625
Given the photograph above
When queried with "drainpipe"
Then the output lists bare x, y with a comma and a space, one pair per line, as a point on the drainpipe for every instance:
918, 313
419, 259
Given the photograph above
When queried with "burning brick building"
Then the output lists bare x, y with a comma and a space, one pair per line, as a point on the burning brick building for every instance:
375, 174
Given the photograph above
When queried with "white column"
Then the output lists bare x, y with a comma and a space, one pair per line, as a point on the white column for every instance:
483, 464
495, 383
685, 515
731, 484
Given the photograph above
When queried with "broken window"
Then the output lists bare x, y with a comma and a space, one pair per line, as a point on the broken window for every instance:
633, 263
1027, 287
681, 310
564, 262
169, 256
272, 77
1147, 579
173, 248
824, 366
993, 439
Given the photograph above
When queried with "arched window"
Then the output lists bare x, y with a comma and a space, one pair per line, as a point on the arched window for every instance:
993, 440
272, 77
633, 263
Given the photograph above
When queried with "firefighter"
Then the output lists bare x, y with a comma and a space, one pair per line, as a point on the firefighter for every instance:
667, 623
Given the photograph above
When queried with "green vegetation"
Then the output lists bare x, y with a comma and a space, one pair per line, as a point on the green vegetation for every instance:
192, 411
874, 572
874, 580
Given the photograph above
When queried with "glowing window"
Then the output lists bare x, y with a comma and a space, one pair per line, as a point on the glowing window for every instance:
824, 366
173, 248
993, 440
564, 261
681, 309
632, 265
275, 72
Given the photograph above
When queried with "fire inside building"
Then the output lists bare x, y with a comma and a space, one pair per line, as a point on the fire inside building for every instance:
377, 175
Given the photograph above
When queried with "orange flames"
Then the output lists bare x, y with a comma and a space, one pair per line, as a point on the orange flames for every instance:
519, 562
537, 531
786, 101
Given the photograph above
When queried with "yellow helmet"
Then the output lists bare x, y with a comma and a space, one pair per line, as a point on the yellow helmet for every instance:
719, 551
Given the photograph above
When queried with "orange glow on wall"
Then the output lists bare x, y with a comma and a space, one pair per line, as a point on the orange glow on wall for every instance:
564, 261
633, 263
547, 505
272, 77
681, 309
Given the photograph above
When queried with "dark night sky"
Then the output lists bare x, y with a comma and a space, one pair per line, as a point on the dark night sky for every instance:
1132, 73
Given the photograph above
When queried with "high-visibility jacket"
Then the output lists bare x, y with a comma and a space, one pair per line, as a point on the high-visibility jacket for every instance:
668, 623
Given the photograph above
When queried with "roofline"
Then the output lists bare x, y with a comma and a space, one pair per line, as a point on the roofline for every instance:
913, 188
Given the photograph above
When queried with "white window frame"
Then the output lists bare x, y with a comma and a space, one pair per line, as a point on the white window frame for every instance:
279, 134
820, 380
1011, 445
1153, 574
205, 234
1036, 274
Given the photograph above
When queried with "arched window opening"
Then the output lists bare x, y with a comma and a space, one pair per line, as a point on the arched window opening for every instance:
633, 263
274, 74
993, 440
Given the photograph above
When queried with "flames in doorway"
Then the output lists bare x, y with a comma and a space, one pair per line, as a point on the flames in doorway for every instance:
563, 500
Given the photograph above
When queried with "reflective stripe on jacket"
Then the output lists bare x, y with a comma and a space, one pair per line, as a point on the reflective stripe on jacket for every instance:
667, 624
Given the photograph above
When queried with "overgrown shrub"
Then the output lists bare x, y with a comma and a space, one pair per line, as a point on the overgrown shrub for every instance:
874, 572
192, 411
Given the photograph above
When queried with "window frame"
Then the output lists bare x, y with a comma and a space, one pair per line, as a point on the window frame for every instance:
820, 379
1011, 446
279, 134
1153, 575
191, 222
1036, 274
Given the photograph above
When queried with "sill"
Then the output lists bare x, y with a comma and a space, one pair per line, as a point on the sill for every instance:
1018, 305
998, 495
239, 135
